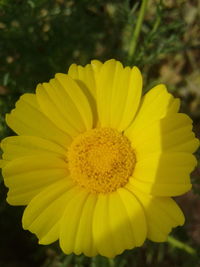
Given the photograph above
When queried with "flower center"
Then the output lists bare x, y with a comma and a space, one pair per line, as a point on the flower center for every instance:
101, 160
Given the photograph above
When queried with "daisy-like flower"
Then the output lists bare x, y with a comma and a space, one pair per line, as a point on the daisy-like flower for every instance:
96, 163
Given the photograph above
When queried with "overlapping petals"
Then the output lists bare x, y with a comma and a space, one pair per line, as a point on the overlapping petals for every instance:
35, 166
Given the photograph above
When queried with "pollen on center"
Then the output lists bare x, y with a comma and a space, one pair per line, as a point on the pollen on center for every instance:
101, 160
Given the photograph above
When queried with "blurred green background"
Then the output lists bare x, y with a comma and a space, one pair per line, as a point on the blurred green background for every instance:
41, 37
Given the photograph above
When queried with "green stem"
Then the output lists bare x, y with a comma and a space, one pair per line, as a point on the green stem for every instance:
136, 33
178, 244
158, 18
111, 262
157, 23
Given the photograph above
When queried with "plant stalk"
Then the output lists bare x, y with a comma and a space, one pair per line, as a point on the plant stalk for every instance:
136, 33
178, 244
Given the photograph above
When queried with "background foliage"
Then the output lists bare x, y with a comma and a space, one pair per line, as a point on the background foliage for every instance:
41, 37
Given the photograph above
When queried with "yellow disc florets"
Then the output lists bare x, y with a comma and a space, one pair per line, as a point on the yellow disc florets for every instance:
101, 160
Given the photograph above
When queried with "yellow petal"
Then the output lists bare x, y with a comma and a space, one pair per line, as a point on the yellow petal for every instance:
3, 163
135, 215
168, 170
27, 119
119, 223
27, 176
71, 220
96, 65
162, 214
156, 104
170, 134
101, 229
64, 103
43, 214
118, 94
20, 146
84, 242
160, 189
86, 79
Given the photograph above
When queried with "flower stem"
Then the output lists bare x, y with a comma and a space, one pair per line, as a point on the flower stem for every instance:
111, 262
178, 244
136, 33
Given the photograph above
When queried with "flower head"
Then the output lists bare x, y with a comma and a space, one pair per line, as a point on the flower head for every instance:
95, 162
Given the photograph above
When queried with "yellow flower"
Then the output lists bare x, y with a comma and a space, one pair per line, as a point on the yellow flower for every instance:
96, 163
